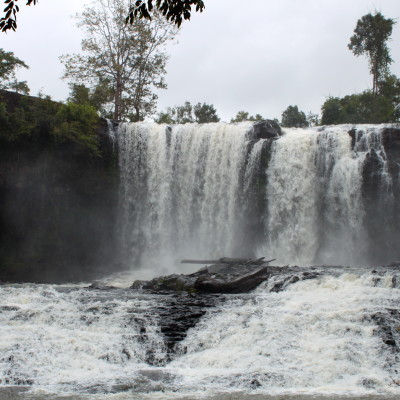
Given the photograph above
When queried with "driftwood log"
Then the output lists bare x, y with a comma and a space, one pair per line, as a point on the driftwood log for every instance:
227, 260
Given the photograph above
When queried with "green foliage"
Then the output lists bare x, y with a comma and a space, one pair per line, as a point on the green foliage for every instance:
77, 123
174, 11
200, 113
98, 97
165, 118
370, 37
8, 66
389, 87
34, 119
79, 94
331, 111
293, 118
363, 108
244, 116
205, 113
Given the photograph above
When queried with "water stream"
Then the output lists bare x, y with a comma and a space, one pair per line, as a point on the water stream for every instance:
315, 196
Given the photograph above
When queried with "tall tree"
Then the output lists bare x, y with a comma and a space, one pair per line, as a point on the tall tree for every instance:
293, 118
205, 113
172, 10
370, 37
129, 59
8, 66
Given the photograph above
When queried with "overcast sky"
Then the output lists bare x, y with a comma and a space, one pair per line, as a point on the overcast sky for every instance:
257, 55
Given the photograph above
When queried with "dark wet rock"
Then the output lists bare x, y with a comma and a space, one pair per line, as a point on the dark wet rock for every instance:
381, 170
225, 279
9, 308
179, 312
352, 133
368, 383
145, 381
387, 327
100, 286
243, 284
266, 129
58, 206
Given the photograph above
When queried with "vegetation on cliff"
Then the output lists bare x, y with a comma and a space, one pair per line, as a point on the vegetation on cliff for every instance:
58, 190
24, 118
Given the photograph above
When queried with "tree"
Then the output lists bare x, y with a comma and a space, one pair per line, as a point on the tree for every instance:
8, 66
362, 108
172, 10
370, 37
293, 118
200, 113
312, 119
126, 61
98, 97
244, 116
389, 87
331, 111
205, 113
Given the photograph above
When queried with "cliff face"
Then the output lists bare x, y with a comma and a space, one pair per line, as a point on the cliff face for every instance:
381, 191
59, 193
58, 206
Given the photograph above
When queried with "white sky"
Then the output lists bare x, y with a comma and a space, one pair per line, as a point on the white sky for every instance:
257, 55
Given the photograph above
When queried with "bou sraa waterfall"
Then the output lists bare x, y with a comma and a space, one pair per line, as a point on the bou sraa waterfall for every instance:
323, 321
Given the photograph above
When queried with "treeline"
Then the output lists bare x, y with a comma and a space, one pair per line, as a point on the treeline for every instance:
380, 104
124, 90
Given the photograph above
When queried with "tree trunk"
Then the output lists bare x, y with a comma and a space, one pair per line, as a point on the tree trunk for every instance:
117, 98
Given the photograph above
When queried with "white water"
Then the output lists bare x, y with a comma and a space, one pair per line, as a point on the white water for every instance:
194, 192
311, 171
315, 338
180, 190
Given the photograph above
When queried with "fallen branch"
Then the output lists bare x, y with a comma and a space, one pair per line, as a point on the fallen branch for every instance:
227, 260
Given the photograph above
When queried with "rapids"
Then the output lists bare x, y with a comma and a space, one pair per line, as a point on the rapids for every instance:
336, 335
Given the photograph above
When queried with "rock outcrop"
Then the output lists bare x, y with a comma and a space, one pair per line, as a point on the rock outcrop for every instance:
226, 279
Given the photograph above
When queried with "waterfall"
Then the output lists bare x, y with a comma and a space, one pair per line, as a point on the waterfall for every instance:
317, 195
180, 189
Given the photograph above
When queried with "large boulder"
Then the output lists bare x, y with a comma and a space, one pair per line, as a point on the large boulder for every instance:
266, 129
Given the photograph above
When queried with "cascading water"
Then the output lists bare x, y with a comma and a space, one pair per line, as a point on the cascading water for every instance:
213, 190
180, 189
334, 335
321, 195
